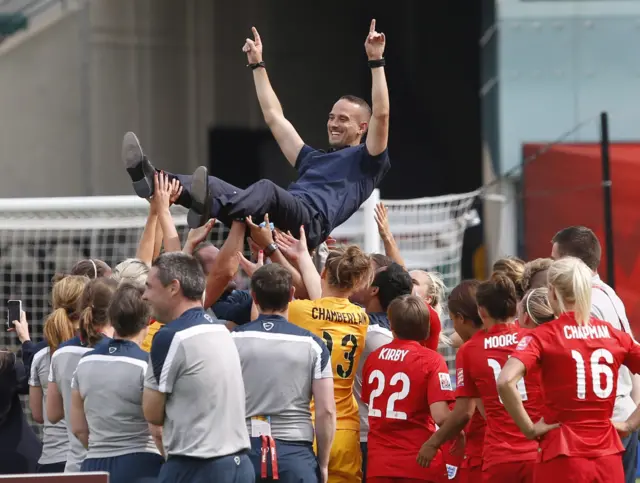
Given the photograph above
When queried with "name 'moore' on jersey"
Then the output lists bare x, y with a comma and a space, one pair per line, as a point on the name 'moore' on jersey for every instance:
479, 363
196, 364
110, 380
579, 367
63, 365
343, 328
280, 361
55, 441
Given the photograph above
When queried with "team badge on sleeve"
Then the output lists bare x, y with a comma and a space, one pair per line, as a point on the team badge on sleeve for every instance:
524, 342
445, 381
459, 378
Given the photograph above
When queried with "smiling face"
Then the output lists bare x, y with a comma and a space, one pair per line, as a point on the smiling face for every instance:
347, 124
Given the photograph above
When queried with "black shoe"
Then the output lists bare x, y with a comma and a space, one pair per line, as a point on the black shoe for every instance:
138, 166
199, 213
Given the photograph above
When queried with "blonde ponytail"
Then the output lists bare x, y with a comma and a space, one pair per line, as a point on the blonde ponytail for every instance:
570, 279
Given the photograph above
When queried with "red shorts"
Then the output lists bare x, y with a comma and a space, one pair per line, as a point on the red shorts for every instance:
469, 475
514, 472
566, 469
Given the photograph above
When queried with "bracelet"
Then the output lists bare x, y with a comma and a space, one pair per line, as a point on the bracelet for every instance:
256, 65
373, 64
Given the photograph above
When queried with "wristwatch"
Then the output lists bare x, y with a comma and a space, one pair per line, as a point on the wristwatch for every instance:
272, 247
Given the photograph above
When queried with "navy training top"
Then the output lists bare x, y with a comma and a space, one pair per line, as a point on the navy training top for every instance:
336, 183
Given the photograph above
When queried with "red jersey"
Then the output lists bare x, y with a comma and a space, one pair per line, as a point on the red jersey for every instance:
478, 365
399, 382
580, 375
435, 327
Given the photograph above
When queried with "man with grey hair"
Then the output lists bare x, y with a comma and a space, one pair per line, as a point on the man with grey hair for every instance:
193, 385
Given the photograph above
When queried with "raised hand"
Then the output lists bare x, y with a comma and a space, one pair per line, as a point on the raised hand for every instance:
248, 266
161, 199
261, 235
176, 191
292, 248
380, 215
253, 48
374, 45
198, 235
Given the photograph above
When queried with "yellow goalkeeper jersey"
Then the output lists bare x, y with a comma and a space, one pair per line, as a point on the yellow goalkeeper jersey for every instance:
343, 327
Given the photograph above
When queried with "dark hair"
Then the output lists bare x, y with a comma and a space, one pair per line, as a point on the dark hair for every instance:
380, 260
271, 286
579, 242
409, 317
359, 101
91, 267
183, 268
348, 268
95, 304
128, 313
392, 282
512, 267
462, 301
498, 296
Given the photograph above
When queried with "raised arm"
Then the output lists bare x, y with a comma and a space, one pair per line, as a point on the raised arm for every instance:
287, 137
378, 133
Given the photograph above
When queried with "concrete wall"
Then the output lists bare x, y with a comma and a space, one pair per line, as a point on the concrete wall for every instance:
69, 92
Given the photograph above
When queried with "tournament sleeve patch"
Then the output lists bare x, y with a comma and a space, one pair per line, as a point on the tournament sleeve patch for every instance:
460, 378
445, 381
524, 342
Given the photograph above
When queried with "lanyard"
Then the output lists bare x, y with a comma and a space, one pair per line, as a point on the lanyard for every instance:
268, 443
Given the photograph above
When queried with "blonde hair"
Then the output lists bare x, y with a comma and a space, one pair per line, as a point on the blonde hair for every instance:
570, 279
61, 324
533, 268
131, 271
348, 268
512, 267
536, 304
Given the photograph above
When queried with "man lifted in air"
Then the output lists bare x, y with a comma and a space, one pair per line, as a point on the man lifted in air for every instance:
331, 185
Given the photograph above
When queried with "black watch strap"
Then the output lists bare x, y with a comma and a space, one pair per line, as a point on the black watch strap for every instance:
272, 247
376, 63
256, 65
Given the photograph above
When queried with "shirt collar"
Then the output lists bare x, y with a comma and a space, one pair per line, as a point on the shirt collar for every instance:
271, 318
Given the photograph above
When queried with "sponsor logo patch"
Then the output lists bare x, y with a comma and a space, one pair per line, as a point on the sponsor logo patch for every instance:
445, 381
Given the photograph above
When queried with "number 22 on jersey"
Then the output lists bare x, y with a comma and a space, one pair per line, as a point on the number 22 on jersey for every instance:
403, 383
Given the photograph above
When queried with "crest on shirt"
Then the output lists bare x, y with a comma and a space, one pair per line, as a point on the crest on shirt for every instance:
445, 381
452, 471
112, 349
267, 325
524, 342
459, 378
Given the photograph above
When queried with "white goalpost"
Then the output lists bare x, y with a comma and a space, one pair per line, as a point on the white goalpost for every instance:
40, 237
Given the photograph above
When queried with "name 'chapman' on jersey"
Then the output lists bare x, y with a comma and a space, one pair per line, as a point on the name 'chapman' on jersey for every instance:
587, 332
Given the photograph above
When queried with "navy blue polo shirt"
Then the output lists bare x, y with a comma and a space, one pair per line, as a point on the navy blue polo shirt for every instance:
336, 184
234, 306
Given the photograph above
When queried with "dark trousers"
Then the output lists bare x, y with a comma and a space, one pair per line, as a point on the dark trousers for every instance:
363, 449
297, 462
234, 468
286, 211
128, 468
630, 457
52, 467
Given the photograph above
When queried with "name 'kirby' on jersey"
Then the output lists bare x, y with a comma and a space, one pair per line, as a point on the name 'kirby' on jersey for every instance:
479, 362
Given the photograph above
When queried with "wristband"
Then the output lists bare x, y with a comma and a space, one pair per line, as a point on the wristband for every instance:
256, 65
272, 247
373, 64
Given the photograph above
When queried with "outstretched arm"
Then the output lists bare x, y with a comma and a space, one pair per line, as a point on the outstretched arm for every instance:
287, 137
378, 134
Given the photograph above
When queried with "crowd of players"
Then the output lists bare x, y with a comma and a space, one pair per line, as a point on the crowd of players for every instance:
327, 369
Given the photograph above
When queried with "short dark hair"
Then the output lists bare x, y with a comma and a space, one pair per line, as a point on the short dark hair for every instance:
359, 101
271, 285
409, 317
128, 313
462, 301
183, 268
380, 260
498, 296
579, 242
392, 282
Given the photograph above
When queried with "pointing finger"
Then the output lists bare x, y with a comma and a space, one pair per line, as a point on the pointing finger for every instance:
256, 35
372, 27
